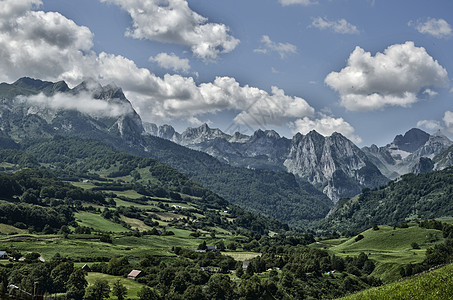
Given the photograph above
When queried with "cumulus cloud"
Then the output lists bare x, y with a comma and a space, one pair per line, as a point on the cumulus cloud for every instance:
283, 49
392, 78
300, 2
448, 120
171, 61
430, 93
340, 26
439, 28
172, 21
261, 109
430, 125
82, 102
51, 47
325, 125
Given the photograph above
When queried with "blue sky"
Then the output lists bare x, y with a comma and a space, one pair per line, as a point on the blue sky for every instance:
367, 69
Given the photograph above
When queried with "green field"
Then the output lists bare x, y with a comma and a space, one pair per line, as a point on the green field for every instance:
437, 284
390, 248
86, 247
8, 229
98, 222
132, 286
242, 256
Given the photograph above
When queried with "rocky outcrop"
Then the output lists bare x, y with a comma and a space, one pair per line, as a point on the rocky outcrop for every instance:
404, 154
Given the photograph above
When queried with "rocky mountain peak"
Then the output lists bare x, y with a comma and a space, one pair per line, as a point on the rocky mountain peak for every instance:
411, 141
166, 132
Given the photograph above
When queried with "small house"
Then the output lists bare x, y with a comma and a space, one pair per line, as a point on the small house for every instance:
211, 248
86, 268
4, 255
245, 264
134, 274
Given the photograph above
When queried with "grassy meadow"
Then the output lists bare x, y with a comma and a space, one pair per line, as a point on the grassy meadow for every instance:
437, 284
389, 247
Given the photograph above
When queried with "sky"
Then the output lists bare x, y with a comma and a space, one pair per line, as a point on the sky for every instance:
369, 69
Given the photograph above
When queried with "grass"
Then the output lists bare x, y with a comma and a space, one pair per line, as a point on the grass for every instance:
242, 256
437, 284
8, 229
98, 222
389, 248
136, 223
88, 247
132, 286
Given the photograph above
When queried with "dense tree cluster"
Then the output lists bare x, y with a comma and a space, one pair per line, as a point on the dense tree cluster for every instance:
422, 196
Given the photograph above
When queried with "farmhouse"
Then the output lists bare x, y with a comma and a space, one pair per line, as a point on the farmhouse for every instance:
4, 255
86, 268
134, 274
211, 248
245, 264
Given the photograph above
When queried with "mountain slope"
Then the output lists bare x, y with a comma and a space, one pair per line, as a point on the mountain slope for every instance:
279, 195
406, 153
333, 164
422, 196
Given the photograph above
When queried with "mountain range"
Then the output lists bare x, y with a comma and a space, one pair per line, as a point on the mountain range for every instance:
295, 180
332, 164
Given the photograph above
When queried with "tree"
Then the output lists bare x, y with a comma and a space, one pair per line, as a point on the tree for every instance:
98, 291
220, 246
119, 290
202, 246
76, 284
220, 287
147, 293
60, 275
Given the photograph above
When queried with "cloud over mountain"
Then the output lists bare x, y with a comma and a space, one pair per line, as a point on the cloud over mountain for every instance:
172, 21
49, 46
82, 102
325, 125
392, 78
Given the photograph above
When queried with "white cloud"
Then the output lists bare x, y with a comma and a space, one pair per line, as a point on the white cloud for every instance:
283, 49
82, 102
438, 28
260, 108
448, 120
340, 26
171, 61
325, 125
172, 21
430, 125
61, 50
430, 93
300, 2
392, 78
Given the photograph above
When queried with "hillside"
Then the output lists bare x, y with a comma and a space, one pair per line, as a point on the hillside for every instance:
437, 284
333, 164
390, 248
27, 120
422, 196
111, 171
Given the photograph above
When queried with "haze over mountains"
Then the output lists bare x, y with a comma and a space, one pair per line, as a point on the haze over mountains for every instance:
306, 168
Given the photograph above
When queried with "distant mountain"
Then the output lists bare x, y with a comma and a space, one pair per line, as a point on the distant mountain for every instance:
409, 153
411, 197
333, 164
34, 110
